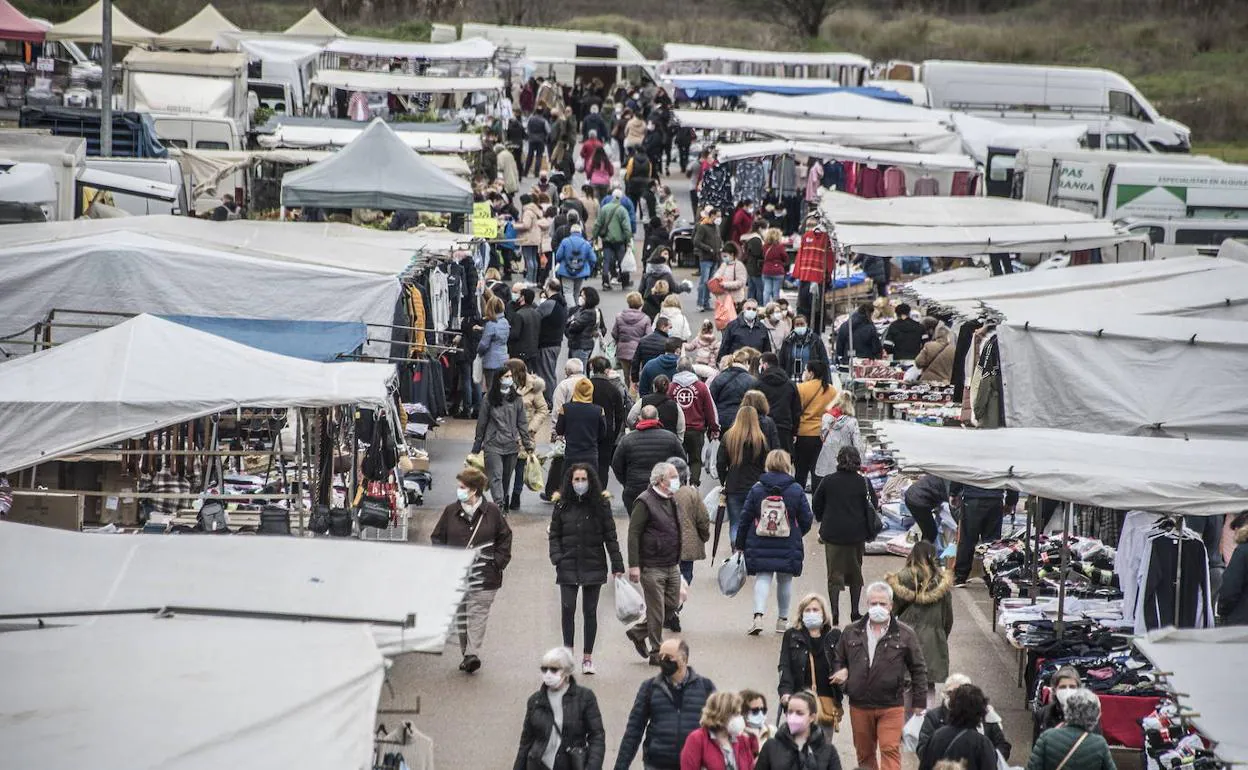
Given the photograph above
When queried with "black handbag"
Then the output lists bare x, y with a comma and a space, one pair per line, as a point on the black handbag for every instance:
575, 754
374, 513
875, 524
274, 520
340, 523
319, 520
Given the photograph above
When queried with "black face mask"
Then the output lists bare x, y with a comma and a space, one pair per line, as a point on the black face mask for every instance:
668, 666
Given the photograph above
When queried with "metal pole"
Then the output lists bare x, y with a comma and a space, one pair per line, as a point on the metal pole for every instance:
1178, 573
106, 82
1060, 625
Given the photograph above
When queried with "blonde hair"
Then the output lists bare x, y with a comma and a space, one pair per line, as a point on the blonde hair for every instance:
673, 300
634, 300
884, 309
719, 708
807, 600
660, 287
778, 461
845, 401
492, 274
773, 235
756, 399
744, 432
493, 308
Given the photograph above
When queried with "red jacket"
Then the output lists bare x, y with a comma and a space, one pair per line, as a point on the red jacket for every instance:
775, 259
701, 752
694, 398
742, 223
588, 148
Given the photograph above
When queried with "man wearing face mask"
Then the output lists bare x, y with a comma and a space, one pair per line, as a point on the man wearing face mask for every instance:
800, 348
871, 661
666, 710
745, 331
654, 554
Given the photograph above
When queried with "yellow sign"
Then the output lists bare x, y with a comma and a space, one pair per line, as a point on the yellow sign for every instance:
484, 225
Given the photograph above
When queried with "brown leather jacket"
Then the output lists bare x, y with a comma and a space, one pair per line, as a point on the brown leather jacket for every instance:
881, 683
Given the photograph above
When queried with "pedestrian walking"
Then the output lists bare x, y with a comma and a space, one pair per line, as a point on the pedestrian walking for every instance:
775, 264
650, 347
807, 652
740, 463
562, 723
799, 347
756, 399
938, 717
960, 740
781, 396
585, 327
524, 340
1073, 745
707, 246
529, 228
553, 311
843, 503
670, 414
575, 259
583, 542
493, 345
502, 430
614, 229
720, 742
799, 744
873, 658
532, 390
637, 453
775, 518
582, 425
752, 249
923, 600
815, 395
654, 557
732, 275
471, 522
731, 385
666, 710
573, 372
630, 327
664, 365
701, 420
838, 428
608, 394
695, 522
745, 331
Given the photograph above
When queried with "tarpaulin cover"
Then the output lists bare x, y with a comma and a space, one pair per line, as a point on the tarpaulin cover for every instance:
309, 340
844, 106
14, 25
88, 27
198, 31
1206, 670
295, 135
1200, 477
189, 694
1125, 374
821, 150
314, 24
883, 135
705, 86
360, 80
471, 49
377, 171
148, 373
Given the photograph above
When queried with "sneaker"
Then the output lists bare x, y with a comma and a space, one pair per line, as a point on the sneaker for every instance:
587, 666
471, 664
756, 626
782, 625
639, 642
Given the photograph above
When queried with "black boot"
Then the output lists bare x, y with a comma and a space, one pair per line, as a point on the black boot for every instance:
515, 501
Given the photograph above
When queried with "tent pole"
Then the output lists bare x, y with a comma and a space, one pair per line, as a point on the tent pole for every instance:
1178, 573
106, 83
1060, 625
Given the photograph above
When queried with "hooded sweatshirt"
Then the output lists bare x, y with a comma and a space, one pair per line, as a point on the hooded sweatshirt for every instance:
694, 398
664, 364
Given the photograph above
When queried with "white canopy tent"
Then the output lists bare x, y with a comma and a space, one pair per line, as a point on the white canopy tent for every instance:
314, 24
911, 136
842, 106
196, 695
88, 27
199, 31
1133, 375
1220, 295
302, 137
470, 49
913, 160
682, 52
396, 83
1198, 477
978, 134
148, 373
1206, 672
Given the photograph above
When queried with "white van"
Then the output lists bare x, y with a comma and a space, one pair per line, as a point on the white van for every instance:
996, 90
1170, 191
1183, 237
166, 170
198, 132
1080, 173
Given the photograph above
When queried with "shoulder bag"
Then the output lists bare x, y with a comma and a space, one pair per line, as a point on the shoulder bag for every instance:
1072, 751
875, 525
575, 754
827, 712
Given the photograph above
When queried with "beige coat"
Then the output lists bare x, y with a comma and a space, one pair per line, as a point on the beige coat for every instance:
695, 524
634, 132
734, 277
535, 408
529, 228
507, 167
936, 357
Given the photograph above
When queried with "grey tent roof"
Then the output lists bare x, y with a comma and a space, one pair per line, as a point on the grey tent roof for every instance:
377, 171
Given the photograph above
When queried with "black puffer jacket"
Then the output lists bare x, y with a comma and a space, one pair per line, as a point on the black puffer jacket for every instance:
639, 451
651, 346
840, 506
795, 653
726, 391
781, 753
582, 726
928, 492
554, 313
582, 538
666, 717
781, 395
582, 328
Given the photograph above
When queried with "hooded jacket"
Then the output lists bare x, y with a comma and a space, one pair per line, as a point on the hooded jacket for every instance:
781, 395
583, 329
649, 348
631, 325
936, 357
575, 257
535, 405
752, 253
906, 336
881, 683
664, 364
782, 753
774, 554
455, 528
703, 348
741, 334
680, 328
665, 719
502, 429
694, 399
583, 539
554, 313
727, 389
493, 345
928, 609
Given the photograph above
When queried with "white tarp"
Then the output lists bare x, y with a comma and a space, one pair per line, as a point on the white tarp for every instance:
199, 31
389, 82
911, 136
148, 373
682, 52
842, 106
472, 49
1220, 295
1206, 670
133, 272
189, 695
821, 150
1200, 477
978, 134
313, 24
158, 92
88, 27
295, 136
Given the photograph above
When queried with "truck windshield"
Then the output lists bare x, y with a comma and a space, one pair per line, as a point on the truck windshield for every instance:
1123, 103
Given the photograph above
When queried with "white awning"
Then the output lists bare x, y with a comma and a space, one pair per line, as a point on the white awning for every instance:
124, 183
395, 83
681, 52
88, 27
821, 150
1199, 477
199, 31
842, 106
1217, 296
1206, 672
189, 695
298, 137
891, 135
471, 49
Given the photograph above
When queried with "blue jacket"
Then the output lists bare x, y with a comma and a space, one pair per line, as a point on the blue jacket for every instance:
664, 724
627, 203
508, 241
774, 554
493, 345
664, 364
571, 247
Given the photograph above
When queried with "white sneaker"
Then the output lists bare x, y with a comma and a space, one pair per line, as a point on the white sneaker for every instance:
756, 627
782, 625
587, 667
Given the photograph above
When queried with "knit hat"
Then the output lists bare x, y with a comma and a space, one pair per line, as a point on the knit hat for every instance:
583, 392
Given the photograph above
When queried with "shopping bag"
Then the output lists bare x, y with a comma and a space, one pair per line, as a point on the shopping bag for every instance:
710, 451
476, 460
910, 733
534, 474
629, 606
629, 263
725, 311
732, 575
711, 501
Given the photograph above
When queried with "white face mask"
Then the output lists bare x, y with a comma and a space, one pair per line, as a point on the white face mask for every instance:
736, 725
580, 487
749, 314
812, 620
673, 485
799, 330
1063, 695
756, 720
878, 614
552, 679
506, 383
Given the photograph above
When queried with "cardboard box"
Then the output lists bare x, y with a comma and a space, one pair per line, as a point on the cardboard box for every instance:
121, 506
61, 510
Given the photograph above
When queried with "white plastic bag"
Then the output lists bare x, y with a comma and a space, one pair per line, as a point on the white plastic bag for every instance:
710, 451
711, 501
732, 575
910, 733
912, 374
629, 263
630, 607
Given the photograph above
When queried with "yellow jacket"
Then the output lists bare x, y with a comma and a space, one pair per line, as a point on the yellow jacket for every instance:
815, 402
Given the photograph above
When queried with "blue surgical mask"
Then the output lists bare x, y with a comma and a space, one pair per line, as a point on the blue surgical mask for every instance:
799, 329
750, 315
812, 620
515, 297
506, 383
580, 487
673, 485
461, 494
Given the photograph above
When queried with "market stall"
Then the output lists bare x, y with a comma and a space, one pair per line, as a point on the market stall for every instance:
847, 105
685, 59
912, 136
467, 56
300, 135
198, 32
314, 25
88, 27
702, 87
14, 25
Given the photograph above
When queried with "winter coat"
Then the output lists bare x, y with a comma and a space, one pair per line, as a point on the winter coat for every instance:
936, 357
727, 389
594, 122
742, 223
775, 259
680, 328
535, 406
664, 364
774, 554
906, 336
876, 269
703, 752
796, 648
608, 396
529, 227
733, 275
631, 325
740, 478
653, 531
966, 746
637, 453
782, 753
1053, 745
502, 429
537, 130
524, 340
739, 334
799, 350
665, 722
634, 131
583, 427
938, 717
455, 529
1233, 596
929, 611
779, 327
583, 329
928, 492
781, 395
881, 684
652, 303
752, 254
554, 313
840, 505
695, 524
837, 432
582, 726
814, 399
649, 348
575, 257
703, 348
866, 339
582, 540
614, 224
670, 415
493, 345
706, 242
507, 167
694, 399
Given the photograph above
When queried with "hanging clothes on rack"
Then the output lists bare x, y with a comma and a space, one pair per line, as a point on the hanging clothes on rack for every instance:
439, 299
894, 182
871, 182
961, 184
1173, 580
926, 185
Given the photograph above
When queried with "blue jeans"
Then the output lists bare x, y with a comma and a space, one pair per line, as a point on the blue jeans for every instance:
784, 592
518, 484
582, 356
705, 271
735, 504
771, 287
530, 263
754, 289
686, 571
612, 255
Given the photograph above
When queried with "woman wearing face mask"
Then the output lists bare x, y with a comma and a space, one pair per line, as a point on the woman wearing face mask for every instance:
562, 723
811, 641
800, 348
530, 388
721, 742
502, 429
732, 275
469, 522
585, 326
1063, 682
961, 740
799, 744
582, 541
936, 718
779, 325
754, 709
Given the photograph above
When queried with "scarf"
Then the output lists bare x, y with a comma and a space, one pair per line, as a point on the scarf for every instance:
648, 424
